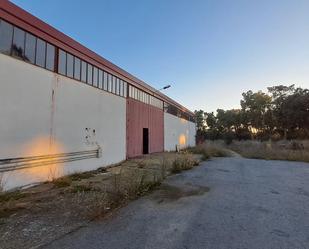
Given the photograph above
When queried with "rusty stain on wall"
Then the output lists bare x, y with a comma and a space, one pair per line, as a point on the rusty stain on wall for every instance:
53, 107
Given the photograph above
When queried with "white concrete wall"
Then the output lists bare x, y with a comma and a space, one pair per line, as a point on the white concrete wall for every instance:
179, 132
42, 112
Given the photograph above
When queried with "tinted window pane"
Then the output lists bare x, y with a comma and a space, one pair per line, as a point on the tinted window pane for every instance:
62, 62
89, 74
70, 65
125, 89
40, 53
118, 86
130, 92
121, 88
30, 48
114, 84
6, 33
100, 79
95, 76
105, 81
109, 83
84, 72
50, 57
18, 46
77, 68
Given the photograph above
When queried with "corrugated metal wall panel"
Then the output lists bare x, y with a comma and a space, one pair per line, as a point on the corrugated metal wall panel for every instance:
156, 125
139, 116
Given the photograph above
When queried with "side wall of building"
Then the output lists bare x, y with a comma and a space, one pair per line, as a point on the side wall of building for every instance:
45, 113
178, 132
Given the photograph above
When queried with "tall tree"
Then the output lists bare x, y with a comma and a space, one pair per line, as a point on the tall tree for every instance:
200, 120
279, 95
256, 105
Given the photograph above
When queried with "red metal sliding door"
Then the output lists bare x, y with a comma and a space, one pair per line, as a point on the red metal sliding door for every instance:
143, 118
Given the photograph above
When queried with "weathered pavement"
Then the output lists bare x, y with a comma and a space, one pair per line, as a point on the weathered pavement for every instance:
250, 204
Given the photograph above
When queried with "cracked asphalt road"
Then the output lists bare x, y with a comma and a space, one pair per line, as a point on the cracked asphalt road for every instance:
224, 203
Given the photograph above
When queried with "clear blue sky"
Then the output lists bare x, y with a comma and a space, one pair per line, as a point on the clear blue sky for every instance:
209, 51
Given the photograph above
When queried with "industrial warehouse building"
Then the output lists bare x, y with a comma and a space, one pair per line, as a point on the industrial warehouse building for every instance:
65, 109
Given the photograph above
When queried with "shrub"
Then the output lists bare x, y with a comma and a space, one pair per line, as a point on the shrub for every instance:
81, 188
185, 162
62, 182
209, 149
281, 150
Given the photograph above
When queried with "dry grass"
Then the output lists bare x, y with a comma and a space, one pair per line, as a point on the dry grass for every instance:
101, 190
281, 150
7, 202
12, 196
184, 162
95, 204
71, 201
210, 149
62, 182
1, 183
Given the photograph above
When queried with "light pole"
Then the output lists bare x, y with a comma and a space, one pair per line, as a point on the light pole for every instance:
163, 88
158, 90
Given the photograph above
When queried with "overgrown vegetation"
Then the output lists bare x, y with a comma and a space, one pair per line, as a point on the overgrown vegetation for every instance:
93, 194
183, 163
62, 182
208, 150
281, 113
12, 196
281, 150
1, 183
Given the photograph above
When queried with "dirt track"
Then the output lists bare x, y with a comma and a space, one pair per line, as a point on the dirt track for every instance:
225, 203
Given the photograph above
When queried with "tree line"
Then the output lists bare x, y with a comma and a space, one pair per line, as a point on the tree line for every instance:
280, 113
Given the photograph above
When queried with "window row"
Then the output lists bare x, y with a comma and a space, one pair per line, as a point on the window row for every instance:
25, 46
144, 97
171, 109
137, 94
78, 69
